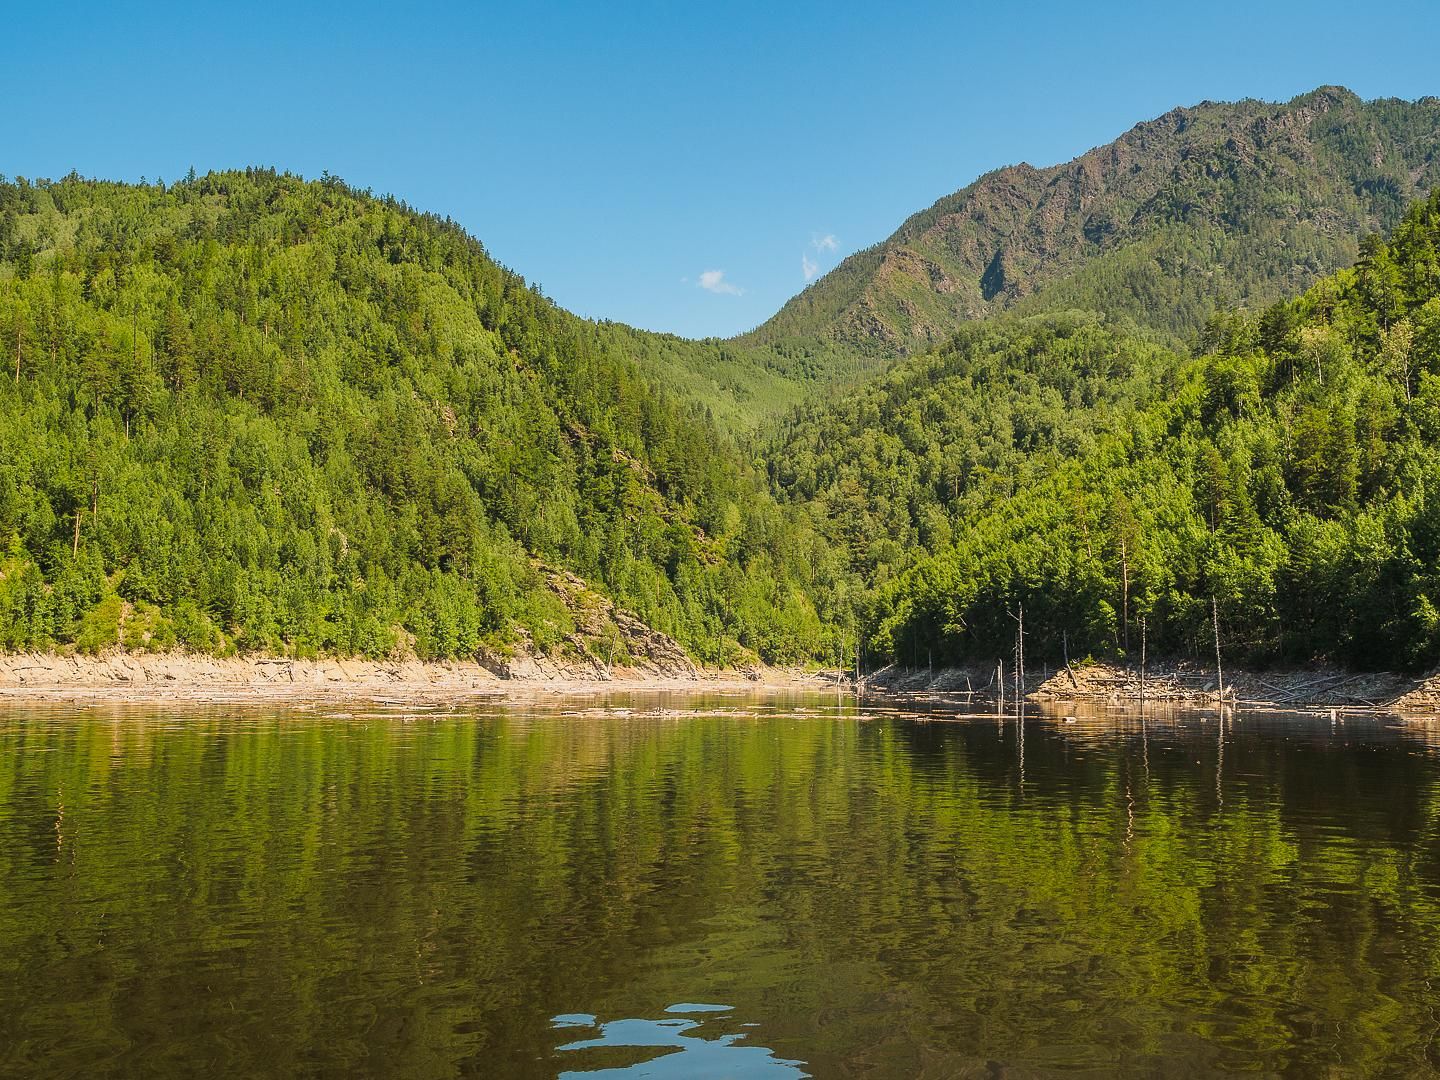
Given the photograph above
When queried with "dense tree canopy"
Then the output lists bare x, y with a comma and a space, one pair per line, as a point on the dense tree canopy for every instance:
1290, 474
250, 412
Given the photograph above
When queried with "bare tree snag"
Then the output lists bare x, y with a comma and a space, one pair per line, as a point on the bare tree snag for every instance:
1125, 594
1142, 661
1219, 674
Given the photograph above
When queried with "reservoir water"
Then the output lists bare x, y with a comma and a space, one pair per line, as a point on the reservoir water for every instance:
716, 886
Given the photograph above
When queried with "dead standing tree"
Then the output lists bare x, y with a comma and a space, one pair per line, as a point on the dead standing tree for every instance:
1019, 617
1142, 664
1219, 673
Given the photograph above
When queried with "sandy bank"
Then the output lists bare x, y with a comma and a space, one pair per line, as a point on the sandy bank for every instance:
182, 677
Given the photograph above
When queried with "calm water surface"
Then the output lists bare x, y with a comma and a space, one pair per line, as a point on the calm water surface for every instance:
716, 887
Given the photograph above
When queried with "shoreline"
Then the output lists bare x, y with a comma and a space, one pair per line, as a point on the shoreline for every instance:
183, 678
1183, 684
158, 678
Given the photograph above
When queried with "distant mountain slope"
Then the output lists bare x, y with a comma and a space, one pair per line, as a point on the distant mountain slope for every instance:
1216, 205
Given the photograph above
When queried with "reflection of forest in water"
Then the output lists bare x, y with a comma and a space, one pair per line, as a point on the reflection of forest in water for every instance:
889, 892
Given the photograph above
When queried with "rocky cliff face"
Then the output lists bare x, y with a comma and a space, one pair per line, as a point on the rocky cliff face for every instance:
1216, 204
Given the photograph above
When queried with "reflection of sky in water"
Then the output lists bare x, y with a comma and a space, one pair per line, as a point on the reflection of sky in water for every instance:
688, 1056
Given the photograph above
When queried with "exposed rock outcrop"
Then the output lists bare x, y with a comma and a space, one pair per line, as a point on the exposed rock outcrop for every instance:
606, 641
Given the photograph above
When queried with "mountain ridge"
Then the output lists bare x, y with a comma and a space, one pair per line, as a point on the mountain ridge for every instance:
1205, 193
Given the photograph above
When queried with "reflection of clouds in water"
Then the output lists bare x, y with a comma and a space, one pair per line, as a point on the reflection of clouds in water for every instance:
689, 1057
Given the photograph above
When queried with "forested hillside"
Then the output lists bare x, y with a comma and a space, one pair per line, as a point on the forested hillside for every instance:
247, 412
1215, 205
1290, 475
896, 463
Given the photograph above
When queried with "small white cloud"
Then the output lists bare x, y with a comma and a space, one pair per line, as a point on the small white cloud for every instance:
828, 242
714, 281
808, 266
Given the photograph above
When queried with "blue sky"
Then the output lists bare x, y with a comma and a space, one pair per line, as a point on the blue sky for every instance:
678, 166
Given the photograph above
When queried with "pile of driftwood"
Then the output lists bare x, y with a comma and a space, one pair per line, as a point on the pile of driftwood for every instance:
1177, 684
1372, 689
1105, 682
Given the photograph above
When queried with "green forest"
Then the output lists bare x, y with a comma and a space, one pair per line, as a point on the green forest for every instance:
1289, 475
251, 413
247, 413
